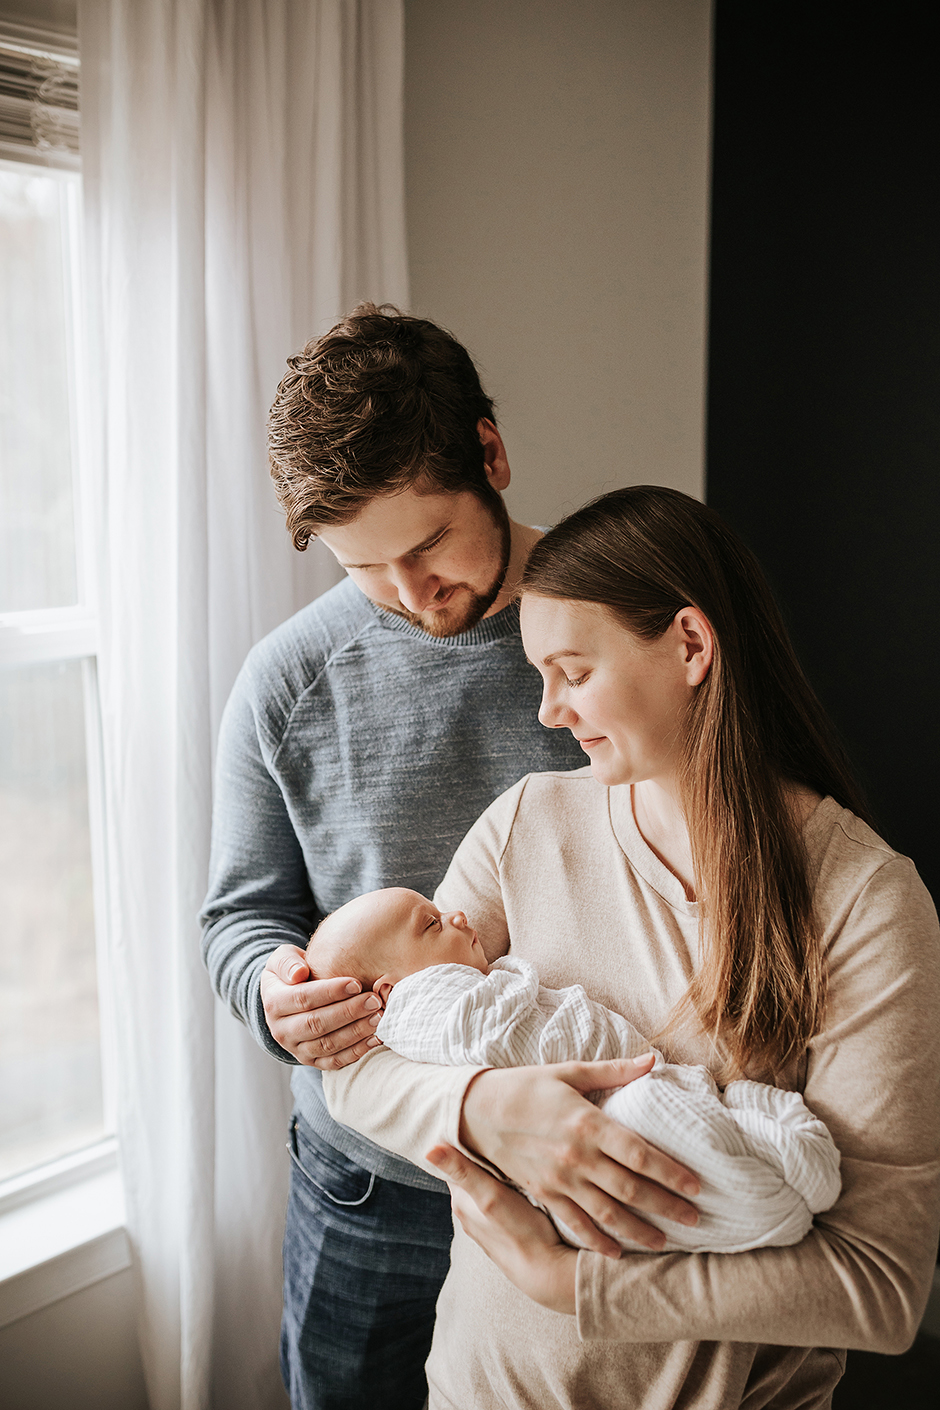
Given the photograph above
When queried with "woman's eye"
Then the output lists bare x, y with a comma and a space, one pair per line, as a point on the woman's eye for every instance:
578, 682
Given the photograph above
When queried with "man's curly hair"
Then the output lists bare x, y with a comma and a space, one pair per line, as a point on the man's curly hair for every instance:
381, 403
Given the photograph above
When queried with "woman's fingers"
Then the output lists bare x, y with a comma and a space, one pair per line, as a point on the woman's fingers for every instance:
511, 1231
603, 1076
479, 1196
581, 1230
456, 1168
533, 1124
492, 1200
478, 1184
641, 1175
631, 1150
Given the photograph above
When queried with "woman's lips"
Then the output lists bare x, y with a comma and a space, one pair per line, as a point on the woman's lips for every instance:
588, 744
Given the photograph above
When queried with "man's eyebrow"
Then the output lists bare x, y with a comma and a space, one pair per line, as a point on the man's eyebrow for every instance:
418, 548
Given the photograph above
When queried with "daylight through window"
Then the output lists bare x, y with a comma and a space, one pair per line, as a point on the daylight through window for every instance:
51, 1100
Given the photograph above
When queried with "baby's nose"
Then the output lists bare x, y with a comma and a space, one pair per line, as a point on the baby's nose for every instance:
459, 919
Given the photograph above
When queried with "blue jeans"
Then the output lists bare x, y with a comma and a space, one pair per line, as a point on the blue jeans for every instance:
364, 1260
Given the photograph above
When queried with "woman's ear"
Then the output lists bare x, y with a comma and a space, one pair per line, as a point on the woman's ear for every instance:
383, 987
697, 643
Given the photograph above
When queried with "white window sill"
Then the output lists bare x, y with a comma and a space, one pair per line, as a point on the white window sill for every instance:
60, 1230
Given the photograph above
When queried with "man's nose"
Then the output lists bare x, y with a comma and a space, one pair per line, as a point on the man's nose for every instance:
416, 587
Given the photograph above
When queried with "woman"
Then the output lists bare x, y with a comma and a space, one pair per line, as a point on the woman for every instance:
711, 877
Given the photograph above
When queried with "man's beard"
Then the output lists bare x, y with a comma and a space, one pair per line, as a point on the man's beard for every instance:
452, 621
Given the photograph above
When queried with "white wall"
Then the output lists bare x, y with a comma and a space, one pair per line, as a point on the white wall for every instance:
557, 170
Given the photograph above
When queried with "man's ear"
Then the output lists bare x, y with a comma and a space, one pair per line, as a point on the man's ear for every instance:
696, 642
494, 455
383, 987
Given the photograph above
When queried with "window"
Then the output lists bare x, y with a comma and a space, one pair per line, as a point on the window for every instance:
52, 1097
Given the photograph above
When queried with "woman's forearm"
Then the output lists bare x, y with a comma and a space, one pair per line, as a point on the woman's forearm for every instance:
860, 1279
405, 1107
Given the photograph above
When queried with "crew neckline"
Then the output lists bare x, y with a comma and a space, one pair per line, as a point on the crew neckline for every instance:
502, 624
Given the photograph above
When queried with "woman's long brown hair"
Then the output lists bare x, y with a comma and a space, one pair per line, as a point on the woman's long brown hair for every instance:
754, 726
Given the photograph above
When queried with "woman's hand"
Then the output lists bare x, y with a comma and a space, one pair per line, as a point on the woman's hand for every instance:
534, 1124
519, 1239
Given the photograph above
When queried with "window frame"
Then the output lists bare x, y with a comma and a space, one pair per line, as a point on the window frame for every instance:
62, 1221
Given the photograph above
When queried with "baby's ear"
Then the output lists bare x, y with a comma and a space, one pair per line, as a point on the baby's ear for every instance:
383, 987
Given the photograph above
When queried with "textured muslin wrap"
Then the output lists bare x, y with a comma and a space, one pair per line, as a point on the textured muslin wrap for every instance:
765, 1163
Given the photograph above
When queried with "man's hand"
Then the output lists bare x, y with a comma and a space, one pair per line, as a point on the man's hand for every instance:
534, 1124
325, 1023
517, 1237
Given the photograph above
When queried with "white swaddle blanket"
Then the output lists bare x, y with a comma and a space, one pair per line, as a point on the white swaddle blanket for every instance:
765, 1163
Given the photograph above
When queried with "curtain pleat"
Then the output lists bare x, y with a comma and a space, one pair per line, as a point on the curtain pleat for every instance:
243, 188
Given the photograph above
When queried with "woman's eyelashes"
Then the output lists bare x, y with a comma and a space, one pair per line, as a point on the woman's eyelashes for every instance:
574, 684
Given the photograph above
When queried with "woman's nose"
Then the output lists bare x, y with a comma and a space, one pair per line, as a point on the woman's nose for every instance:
552, 713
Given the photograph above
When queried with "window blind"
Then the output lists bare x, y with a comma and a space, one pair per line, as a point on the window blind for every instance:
39, 116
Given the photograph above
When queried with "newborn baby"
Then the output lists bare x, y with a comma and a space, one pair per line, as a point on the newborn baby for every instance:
765, 1163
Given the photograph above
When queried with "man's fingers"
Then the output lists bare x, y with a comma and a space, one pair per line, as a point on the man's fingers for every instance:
289, 963
335, 1001
323, 1041
325, 1023
343, 1058
328, 1021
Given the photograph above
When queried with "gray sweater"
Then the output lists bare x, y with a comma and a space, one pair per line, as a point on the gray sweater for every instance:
354, 753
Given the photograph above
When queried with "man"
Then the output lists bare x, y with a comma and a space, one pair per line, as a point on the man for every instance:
362, 739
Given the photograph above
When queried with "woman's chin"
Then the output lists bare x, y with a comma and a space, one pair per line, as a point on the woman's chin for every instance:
607, 774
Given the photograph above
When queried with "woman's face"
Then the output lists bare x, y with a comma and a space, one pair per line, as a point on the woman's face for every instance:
624, 699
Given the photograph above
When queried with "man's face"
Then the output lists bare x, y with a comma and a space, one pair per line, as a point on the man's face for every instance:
438, 560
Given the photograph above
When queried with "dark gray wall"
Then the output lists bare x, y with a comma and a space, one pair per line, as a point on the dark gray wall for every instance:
823, 441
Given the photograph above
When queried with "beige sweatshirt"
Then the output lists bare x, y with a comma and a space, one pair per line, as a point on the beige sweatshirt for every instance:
559, 856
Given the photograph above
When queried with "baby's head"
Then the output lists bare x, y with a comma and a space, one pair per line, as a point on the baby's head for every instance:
383, 936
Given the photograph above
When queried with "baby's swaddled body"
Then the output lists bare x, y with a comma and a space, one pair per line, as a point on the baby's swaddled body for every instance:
765, 1163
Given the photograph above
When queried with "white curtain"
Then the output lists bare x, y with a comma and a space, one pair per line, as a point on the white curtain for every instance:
243, 179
